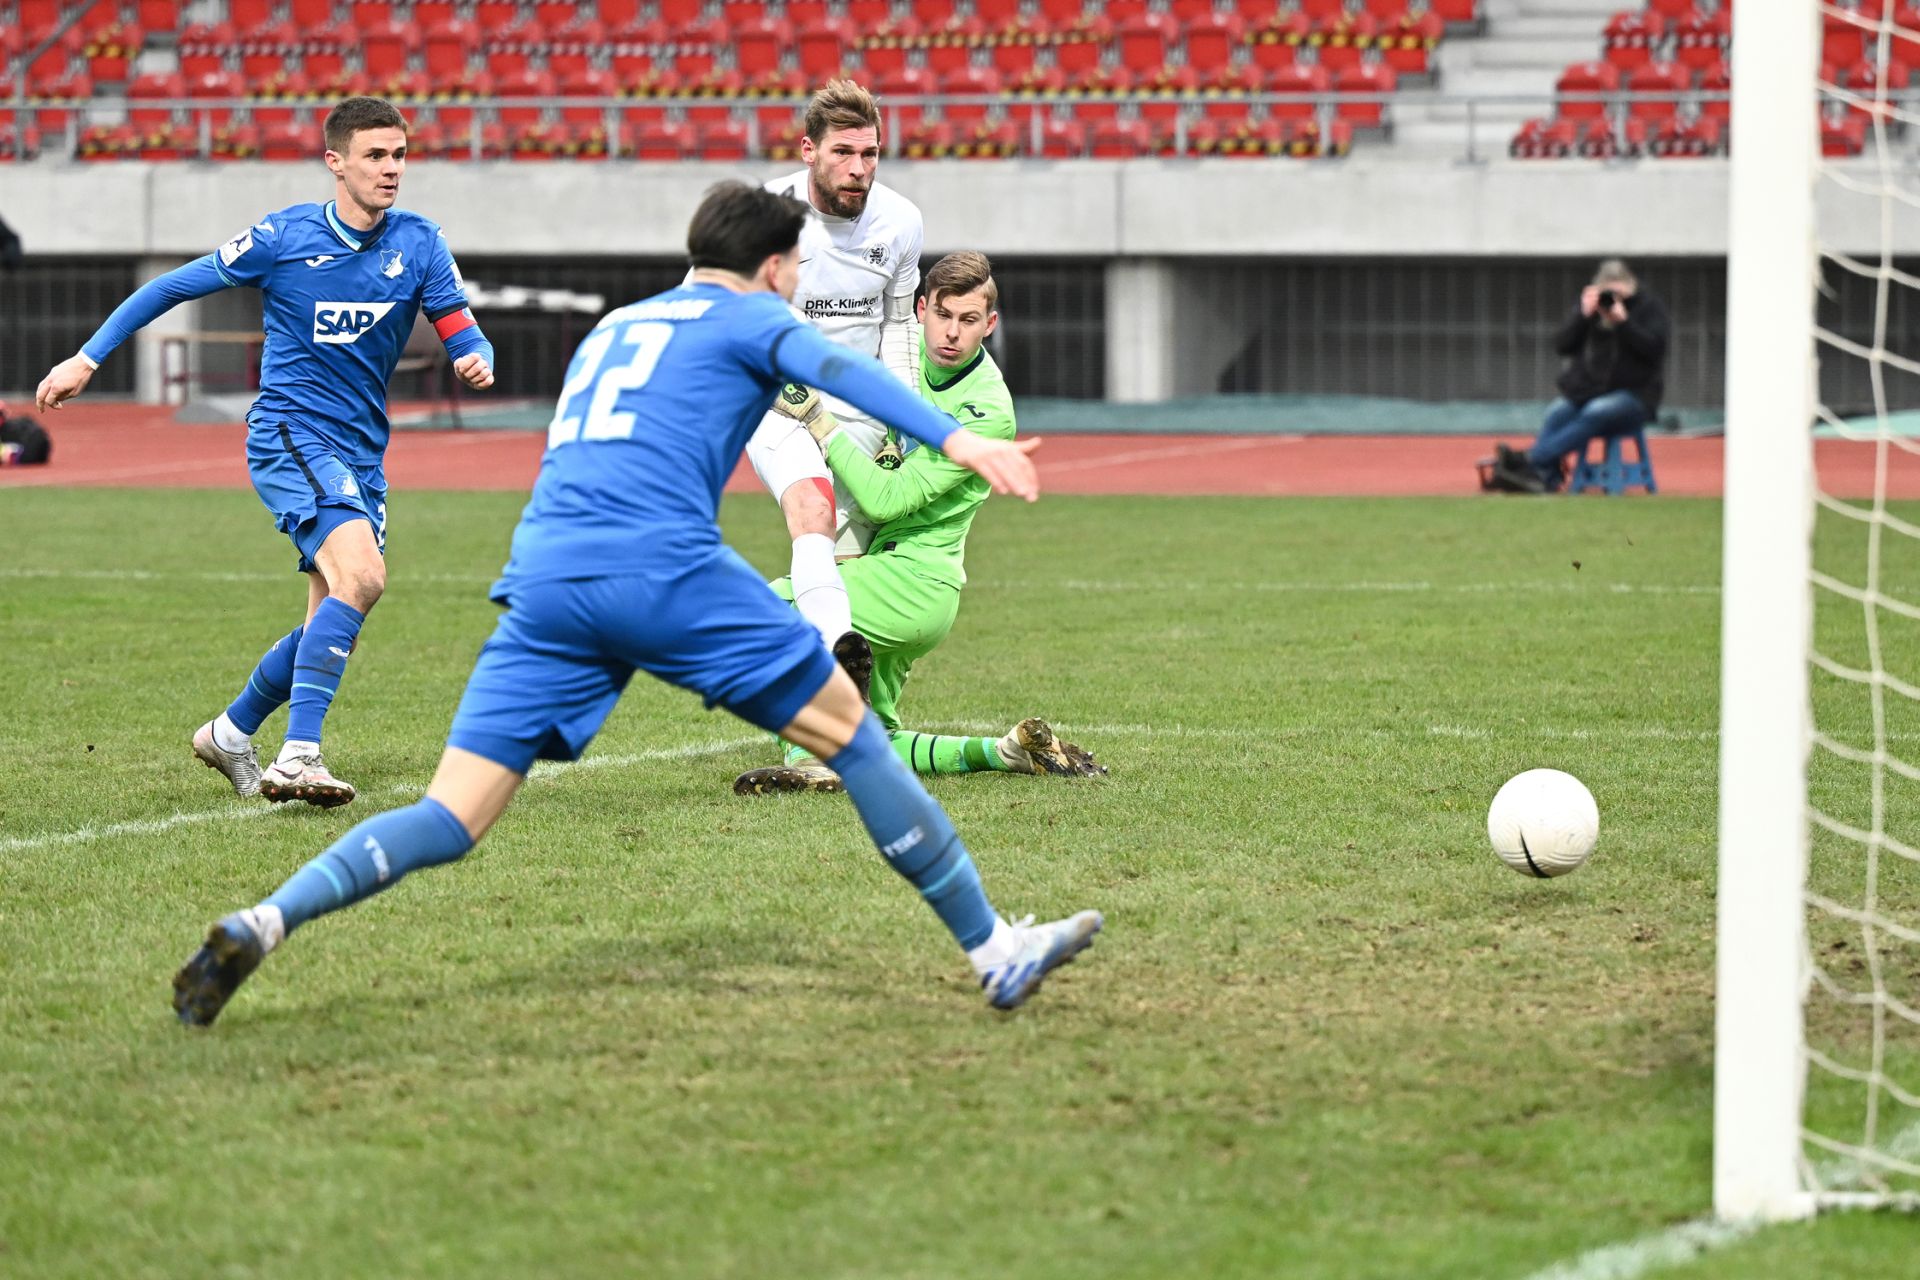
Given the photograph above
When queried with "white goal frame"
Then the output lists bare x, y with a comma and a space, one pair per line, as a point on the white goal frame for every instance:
1766, 618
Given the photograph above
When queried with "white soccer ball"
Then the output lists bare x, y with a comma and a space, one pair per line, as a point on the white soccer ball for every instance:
1543, 823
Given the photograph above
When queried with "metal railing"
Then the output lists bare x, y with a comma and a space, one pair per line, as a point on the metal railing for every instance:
1184, 131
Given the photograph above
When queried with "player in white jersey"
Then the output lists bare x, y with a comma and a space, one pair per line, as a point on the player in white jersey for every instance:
859, 270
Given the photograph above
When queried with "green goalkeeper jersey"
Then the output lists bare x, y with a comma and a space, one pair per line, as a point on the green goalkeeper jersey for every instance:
924, 506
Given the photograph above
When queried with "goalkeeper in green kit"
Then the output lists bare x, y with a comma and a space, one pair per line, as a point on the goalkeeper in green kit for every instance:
905, 591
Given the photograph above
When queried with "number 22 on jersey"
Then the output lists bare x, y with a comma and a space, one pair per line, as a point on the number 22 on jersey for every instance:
621, 357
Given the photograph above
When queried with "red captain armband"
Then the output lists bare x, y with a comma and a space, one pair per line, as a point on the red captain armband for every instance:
454, 322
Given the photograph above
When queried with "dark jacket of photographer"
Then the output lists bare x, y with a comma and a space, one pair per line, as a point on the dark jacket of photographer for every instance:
1627, 357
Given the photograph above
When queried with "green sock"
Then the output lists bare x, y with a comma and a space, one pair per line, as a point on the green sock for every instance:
935, 753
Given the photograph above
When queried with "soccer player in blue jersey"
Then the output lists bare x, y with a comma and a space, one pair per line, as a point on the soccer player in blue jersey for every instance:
617, 565
341, 283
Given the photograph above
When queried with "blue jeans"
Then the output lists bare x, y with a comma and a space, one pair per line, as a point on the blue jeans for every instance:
1569, 426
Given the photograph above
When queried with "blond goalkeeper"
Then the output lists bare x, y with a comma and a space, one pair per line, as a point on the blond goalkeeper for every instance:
905, 592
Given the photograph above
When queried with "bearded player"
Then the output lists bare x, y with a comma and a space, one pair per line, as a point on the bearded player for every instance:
905, 592
859, 270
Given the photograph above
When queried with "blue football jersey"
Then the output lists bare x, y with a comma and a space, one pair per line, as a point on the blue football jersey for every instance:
338, 307
658, 402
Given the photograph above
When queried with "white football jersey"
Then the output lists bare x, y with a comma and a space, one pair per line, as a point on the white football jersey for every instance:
850, 266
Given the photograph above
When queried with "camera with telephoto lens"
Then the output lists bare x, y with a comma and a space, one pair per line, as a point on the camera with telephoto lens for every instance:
1607, 299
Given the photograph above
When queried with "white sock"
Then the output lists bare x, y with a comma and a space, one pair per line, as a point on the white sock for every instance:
818, 592
227, 737
293, 748
997, 949
268, 924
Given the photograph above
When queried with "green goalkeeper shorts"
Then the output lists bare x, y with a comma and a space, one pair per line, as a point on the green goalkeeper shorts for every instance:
902, 615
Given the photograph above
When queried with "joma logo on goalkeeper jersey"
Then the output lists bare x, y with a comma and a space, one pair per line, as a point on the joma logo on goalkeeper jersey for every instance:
840, 306
342, 322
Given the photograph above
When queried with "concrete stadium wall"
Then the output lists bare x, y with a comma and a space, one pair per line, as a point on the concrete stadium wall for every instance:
1171, 208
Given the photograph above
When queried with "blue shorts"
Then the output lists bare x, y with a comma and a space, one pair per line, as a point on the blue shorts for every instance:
310, 489
560, 656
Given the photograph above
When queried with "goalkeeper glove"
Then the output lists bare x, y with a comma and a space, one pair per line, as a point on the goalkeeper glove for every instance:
804, 406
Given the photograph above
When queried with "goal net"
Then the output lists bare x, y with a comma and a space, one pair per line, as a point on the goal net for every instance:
1817, 1078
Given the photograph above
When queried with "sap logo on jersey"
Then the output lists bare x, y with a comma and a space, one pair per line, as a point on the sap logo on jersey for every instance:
346, 321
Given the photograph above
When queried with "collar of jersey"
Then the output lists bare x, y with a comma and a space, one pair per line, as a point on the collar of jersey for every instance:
347, 234
931, 369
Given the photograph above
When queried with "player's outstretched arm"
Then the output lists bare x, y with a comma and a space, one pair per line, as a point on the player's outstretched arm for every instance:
1004, 464
146, 304
63, 382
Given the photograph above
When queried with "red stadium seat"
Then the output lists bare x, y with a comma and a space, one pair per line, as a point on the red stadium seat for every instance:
1063, 15
1168, 86
1144, 40
368, 13
1631, 36
1865, 78
1121, 139
1844, 137
757, 45
805, 13
722, 140
928, 140
1301, 78
496, 15
427, 14
1408, 46
1661, 78
696, 50
1063, 138
555, 17
1703, 39
590, 83
157, 15
523, 84
1079, 51
450, 47
952, 49
1542, 138
385, 50
1014, 59
714, 85
998, 15
780, 128
824, 49
1460, 10
154, 85
1094, 91
510, 50
308, 14
1210, 40
1344, 41
1680, 138
245, 15
217, 84
288, 142
325, 59
1369, 78
1323, 12
994, 141
1587, 77
1673, 10
870, 16
536, 142
970, 81
203, 48
909, 82
1225, 92
1276, 43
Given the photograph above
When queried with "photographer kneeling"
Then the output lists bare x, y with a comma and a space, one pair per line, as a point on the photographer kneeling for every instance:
1616, 350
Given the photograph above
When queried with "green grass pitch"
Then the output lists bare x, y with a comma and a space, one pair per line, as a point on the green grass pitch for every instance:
649, 1028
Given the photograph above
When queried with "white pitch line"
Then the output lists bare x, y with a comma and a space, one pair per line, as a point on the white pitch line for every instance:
237, 812
1093, 585
1677, 1246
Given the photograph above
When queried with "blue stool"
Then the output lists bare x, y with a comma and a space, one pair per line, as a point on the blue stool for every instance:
1613, 473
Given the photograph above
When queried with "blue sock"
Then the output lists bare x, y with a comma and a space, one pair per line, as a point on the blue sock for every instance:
268, 686
371, 857
913, 832
318, 663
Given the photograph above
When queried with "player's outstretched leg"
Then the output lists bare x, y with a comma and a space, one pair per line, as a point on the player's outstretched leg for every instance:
1032, 747
371, 857
802, 771
319, 663
915, 836
226, 742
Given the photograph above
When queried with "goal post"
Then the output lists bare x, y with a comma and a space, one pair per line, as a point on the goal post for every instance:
1766, 616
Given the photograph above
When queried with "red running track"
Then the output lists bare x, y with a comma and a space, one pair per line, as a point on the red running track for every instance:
135, 445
